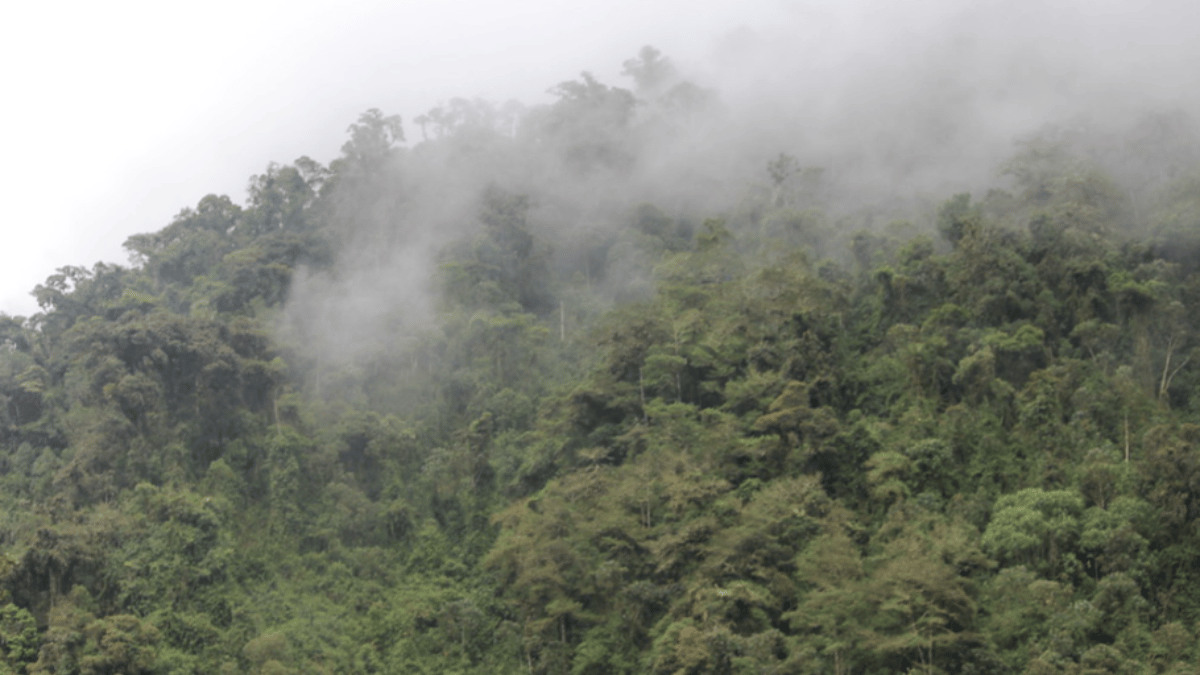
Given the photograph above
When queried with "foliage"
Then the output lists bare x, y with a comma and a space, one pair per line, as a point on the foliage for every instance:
655, 440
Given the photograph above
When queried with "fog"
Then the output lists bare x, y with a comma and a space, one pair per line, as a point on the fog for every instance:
118, 115
894, 101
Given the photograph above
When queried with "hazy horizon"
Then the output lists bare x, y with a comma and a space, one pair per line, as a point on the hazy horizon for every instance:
125, 115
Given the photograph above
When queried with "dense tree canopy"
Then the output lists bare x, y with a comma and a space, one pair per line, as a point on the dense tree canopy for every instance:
480, 405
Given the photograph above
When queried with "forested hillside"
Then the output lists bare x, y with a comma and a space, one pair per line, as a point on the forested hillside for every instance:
549, 390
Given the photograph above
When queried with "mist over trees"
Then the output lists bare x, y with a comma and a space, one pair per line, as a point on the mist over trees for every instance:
627, 383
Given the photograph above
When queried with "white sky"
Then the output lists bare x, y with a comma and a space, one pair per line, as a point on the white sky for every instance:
118, 114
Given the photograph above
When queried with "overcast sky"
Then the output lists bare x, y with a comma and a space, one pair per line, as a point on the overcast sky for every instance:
118, 114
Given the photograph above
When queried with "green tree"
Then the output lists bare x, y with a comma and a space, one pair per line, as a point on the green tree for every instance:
1039, 528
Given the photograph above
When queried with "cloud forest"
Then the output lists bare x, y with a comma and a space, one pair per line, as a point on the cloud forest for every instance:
628, 382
